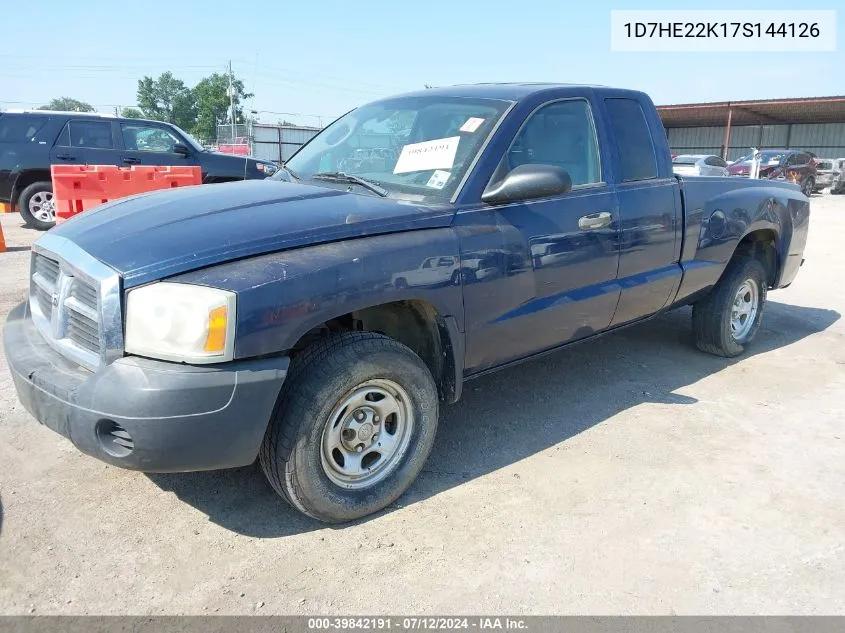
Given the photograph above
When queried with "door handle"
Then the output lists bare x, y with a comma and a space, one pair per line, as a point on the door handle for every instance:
66, 156
594, 221
131, 160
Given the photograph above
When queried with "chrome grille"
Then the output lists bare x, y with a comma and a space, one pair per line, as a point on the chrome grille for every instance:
70, 295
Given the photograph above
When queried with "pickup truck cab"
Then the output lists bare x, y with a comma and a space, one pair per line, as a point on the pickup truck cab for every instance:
31, 141
200, 328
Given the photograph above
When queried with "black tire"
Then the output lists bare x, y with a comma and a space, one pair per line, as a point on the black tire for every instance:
808, 186
44, 186
319, 379
711, 316
400, 283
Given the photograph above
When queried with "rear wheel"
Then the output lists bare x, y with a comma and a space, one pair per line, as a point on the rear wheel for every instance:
355, 422
726, 320
37, 205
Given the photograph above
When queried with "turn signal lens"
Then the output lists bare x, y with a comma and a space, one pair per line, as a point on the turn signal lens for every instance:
218, 321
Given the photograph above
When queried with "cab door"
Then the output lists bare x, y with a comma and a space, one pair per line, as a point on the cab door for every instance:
650, 210
152, 144
562, 251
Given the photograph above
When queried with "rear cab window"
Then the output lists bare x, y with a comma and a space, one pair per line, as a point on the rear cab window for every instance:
635, 146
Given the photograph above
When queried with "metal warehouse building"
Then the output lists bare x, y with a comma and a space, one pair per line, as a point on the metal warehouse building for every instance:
731, 128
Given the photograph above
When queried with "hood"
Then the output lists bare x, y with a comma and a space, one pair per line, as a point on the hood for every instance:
156, 235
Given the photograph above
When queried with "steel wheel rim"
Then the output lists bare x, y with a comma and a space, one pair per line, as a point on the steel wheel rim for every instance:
744, 309
367, 434
42, 207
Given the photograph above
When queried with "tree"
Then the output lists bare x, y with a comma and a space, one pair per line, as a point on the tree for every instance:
167, 99
67, 104
131, 113
212, 103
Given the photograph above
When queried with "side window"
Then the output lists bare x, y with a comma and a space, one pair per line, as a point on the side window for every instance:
20, 129
147, 138
446, 261
715, 161
560, 134
91, 134
633, 139
427, 263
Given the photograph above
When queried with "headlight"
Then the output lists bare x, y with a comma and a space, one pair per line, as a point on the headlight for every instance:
267, 168
181, 322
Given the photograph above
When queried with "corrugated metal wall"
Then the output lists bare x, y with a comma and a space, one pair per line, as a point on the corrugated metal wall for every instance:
278, 142
826, 140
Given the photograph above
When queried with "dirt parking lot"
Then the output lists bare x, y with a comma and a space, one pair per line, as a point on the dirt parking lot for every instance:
631, 475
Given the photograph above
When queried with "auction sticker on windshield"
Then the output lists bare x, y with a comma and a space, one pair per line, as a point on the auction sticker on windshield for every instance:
472, 124
438, 179
436, 154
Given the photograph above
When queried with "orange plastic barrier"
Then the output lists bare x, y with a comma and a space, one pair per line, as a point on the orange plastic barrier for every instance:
77, 188
2, 240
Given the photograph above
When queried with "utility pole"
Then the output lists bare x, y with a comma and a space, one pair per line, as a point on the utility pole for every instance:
232, 100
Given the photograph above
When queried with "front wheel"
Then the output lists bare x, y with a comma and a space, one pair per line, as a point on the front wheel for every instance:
354, 425
38, 208
726, 320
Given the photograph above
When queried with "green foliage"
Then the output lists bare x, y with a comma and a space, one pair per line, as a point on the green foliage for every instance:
197, 110
167, 99
213, 106
66, 104
131, 113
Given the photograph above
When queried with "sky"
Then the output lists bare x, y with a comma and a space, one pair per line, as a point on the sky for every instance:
309, 62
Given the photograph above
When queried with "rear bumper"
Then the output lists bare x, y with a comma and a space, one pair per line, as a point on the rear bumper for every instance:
179, 417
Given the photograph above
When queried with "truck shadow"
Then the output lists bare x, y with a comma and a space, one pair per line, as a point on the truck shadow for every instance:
513, 414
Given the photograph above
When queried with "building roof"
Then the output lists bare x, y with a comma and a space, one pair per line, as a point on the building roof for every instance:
761, 112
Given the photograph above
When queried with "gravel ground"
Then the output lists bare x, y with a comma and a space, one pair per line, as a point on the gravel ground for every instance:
630, 475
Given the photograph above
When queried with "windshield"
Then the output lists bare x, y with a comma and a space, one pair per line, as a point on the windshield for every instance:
416, 148
685, 160
824, 164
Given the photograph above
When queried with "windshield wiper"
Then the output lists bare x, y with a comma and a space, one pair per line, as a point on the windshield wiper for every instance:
339, 176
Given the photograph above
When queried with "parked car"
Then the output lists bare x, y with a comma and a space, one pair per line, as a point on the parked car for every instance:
202, 327
837, 184
781, 164
826, 172
31, 141
699, 165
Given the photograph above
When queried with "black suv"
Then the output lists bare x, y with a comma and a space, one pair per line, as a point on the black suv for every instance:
31, 141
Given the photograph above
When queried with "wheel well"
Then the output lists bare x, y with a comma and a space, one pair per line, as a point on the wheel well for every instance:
416, 324
25, 180
761, 245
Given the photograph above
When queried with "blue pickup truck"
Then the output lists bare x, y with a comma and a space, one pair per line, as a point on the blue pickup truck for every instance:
318, 319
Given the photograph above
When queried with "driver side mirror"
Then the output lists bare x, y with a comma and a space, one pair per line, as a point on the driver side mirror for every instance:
527, 182
181, 149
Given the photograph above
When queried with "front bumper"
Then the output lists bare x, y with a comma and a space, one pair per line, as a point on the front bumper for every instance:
178, 417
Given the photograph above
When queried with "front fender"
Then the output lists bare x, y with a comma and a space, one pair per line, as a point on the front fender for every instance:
283, 295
